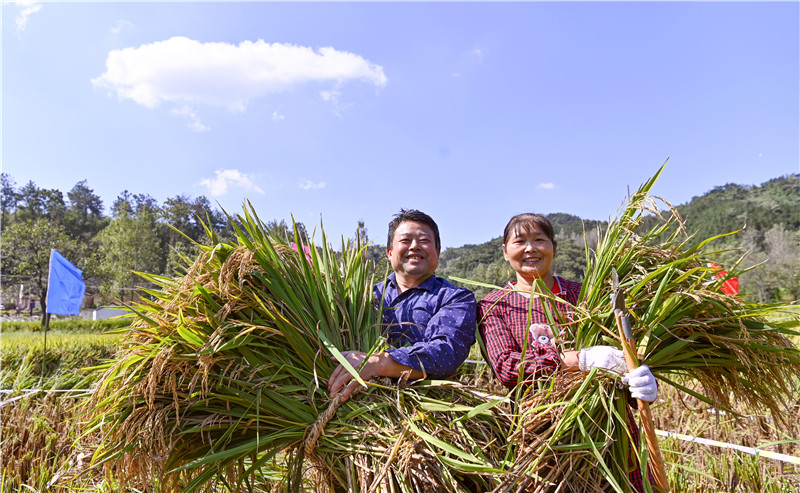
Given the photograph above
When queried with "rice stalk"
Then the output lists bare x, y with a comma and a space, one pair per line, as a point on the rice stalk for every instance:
222, 383
573, 428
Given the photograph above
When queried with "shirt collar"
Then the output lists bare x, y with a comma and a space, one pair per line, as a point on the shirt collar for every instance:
556, 285
428, 284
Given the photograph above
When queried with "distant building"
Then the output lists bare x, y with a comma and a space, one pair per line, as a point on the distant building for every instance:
105, 312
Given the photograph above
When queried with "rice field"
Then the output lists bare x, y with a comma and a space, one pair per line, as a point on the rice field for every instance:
43, 448
219, 385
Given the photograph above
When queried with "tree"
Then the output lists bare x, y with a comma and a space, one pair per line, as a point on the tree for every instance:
129, 244
8, 198
85, 211
203, 211
35, 203
783, 268
188, 217
138, 205
570, 260
122, 204
26, 252
361, 237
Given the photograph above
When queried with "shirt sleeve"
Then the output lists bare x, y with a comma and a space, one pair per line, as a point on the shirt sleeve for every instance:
449, 334
505, 352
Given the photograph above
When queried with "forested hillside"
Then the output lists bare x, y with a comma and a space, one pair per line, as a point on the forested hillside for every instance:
768, 215
136, 235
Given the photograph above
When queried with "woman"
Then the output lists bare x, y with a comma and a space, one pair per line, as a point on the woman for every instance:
509, 317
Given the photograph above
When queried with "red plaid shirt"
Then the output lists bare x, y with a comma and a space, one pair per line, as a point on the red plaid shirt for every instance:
504, 319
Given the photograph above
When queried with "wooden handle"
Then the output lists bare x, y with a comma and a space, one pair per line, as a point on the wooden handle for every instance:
659, 472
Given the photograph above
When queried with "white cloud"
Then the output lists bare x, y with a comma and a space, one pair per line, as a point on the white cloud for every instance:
194, 122
27, 9
477, 55
309, 185
334, 98
119, 26
546, 186
180, 70
277, 116
218, 185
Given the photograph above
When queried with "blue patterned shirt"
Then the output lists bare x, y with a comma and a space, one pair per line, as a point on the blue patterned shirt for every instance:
431, 326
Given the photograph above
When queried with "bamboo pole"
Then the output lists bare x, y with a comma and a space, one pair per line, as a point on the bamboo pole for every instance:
629, 348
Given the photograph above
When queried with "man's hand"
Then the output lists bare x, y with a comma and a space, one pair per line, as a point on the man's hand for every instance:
341, 376
377, 365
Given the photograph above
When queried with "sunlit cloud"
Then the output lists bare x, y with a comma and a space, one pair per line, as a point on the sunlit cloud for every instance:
194, 122
334, 98
477, 55
277, 116
183, 71
309, 185
27, 9
546, 186
225, 178
119, 26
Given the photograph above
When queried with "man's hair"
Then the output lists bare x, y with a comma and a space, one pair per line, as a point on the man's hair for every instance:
416, 216
524, 223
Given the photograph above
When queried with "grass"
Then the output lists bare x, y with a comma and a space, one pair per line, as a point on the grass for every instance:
42, 435
26, 363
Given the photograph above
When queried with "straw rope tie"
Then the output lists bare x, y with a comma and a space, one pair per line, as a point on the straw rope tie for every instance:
318, 427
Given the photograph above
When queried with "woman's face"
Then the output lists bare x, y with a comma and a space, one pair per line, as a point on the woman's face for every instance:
530, 254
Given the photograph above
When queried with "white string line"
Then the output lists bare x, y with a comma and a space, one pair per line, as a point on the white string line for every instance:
704, 441
687, 438
740, 448
28, 392
12, 391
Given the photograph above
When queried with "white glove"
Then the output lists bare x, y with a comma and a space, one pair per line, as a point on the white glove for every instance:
605, 357
642, 384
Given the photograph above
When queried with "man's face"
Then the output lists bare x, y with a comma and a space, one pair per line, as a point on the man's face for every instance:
413, 251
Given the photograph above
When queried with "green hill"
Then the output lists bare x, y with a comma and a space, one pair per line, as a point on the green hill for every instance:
768, 215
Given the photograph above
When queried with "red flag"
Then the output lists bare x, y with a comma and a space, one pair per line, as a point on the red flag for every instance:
730, 286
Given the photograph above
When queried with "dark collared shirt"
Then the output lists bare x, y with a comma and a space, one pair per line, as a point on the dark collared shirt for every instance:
430, 326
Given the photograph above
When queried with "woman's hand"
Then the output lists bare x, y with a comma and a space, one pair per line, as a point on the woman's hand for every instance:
603, 357
641, 384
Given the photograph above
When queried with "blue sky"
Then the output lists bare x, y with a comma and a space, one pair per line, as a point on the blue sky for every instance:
472, 112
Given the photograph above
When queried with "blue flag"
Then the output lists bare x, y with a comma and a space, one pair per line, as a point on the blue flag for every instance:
65, 286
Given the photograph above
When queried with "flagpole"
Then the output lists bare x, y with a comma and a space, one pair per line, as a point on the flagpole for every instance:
64, 292
45, 314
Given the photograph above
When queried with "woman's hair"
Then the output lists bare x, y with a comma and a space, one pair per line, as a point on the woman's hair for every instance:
524, 224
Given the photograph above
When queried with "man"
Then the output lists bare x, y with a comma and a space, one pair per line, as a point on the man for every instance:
430, 322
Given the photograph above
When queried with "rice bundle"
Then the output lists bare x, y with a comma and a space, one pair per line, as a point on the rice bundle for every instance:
716, 347
221, 384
